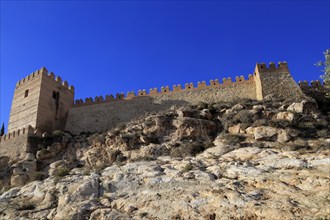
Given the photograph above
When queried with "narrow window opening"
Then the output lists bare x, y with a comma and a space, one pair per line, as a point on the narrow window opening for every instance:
26, 94
165, 90
55, 94
188, 87
141, 93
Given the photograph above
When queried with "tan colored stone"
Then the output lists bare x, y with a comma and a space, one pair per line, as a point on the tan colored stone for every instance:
289, 116
264, 132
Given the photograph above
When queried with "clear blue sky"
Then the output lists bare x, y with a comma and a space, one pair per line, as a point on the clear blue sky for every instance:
105, 47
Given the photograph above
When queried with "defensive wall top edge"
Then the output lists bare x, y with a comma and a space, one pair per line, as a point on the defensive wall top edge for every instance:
44, 72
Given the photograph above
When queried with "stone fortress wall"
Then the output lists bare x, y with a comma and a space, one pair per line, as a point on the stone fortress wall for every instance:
101, 114
50, 103
15, 144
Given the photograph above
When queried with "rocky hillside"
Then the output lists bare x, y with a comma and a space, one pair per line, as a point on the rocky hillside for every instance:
243, 160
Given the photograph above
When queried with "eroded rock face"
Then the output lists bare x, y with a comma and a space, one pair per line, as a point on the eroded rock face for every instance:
187, 163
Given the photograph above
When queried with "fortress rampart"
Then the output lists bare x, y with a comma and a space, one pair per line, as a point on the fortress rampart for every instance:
165, 90
15, 144
45, 102
98, 114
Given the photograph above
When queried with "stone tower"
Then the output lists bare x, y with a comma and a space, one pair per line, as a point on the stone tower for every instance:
275, 80
41, 101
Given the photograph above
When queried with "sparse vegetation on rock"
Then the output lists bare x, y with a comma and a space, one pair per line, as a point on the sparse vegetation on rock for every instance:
238, 160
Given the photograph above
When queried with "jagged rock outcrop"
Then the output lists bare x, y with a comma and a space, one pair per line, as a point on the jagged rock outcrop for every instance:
243, 160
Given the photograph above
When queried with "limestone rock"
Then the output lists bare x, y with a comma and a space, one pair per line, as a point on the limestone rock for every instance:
193, 128
289, 116
235, 129
131, 172
264, 133
283, 136
303, 107
18, 180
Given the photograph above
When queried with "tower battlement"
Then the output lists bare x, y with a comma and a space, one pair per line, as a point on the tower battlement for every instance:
281, 67
44, 72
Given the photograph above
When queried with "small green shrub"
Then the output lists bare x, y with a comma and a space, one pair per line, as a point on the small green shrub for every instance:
57, 133
143, 214
187, 168
86, 172
39, 176
62, 171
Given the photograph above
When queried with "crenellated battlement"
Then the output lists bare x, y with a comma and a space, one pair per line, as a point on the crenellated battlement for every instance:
164, 90
313, 84
29, 130
281, 67
44, 72
45, 101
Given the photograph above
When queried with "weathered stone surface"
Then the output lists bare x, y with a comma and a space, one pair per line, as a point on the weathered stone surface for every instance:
303, 107
18, 180
264, 133
193, 128
289, 116
283, 136
131, 172
44, 154
235, 129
